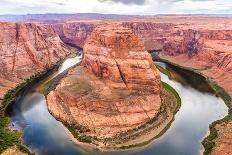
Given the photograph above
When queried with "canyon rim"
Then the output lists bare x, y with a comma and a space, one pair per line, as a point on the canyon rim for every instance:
124, 92
110, 98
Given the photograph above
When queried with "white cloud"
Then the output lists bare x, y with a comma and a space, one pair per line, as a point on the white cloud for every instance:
115, 6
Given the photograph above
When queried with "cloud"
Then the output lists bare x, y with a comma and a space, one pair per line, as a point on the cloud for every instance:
127, 2
139, 7
59, 3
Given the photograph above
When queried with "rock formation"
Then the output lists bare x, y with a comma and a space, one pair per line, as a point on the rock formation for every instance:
114, 54
25, 50
117, 87
202, 43
74, 33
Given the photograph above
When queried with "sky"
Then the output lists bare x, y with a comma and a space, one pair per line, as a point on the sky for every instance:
130, 7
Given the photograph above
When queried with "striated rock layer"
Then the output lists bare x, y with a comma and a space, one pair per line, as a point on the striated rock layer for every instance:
74, 33
202, 43
116, 55
116, 88
26, 49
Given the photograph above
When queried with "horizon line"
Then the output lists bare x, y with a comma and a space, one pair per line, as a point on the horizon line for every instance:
115, 14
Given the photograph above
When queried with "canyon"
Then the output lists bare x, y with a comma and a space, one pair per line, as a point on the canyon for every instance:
195, 39
25, 50
194, 42
200, 43
114, 91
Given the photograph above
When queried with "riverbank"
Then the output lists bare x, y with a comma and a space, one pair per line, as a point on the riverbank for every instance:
9, 137
211, 141
140, 136
135, 137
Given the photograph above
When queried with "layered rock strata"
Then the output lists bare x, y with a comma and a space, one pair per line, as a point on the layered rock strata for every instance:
202, 43
116, 88
74, 33
25, 50
196, 42
178, 36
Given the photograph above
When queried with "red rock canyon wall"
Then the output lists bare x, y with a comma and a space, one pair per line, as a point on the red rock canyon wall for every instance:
26, 49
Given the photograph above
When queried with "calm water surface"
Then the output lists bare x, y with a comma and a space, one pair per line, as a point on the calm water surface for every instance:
47, 136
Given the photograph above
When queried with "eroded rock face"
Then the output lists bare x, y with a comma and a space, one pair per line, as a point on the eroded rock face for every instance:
198, 43
178, 37
26, 49
74, 33
224, 140
116, 55
117, 87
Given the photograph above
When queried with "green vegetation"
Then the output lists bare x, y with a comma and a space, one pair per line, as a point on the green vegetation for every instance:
44, 88
209, 141
124, 147
163, 70
174, 92
170, 88
79, 132
76, 131
9, 138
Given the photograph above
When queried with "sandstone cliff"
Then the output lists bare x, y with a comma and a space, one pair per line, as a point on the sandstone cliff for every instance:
194, 42
203, 46
74, 33
115, 54
117, 87
26, 49
202, 43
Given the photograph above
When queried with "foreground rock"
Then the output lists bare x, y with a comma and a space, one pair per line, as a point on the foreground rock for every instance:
25, 50
13, 151
115, 90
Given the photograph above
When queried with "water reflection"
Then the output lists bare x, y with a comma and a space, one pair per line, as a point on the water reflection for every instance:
68, 63
186, 77
184, 137
45, 135
198, 110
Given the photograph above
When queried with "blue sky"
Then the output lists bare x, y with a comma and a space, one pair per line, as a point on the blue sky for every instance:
141, 7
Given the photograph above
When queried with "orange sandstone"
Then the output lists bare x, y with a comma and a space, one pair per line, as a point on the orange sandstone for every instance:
116, 88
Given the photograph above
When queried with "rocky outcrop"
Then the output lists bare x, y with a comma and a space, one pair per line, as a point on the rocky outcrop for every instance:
74, 33
224, 140
116, 88
206, 51
201, 43
25, 50
114, 54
